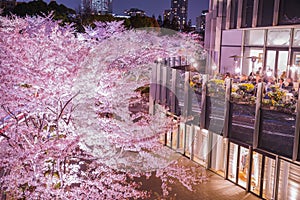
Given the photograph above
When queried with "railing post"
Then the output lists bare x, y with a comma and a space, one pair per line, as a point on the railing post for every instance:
276, 181
259, 96
227, 120
187, 96
203, 100
173, 94
297, 129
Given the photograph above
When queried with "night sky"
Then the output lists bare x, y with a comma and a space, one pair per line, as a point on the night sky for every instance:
151, 7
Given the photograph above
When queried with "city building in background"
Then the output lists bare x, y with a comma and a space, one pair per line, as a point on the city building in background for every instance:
179, 10
254, 34
167, 15
200, 22
97, 6
135, 12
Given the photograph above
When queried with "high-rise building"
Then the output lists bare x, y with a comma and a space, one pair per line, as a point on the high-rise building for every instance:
200, 21
179, 12
97, 6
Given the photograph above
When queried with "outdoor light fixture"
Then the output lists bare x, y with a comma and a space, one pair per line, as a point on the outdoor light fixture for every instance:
236, 67
253, 60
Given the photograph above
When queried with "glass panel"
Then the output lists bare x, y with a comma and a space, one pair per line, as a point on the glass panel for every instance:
269, 178
295, 69
252, 60
265, 13
181, 138
233, 13
233, 153
200, 146
271, 60
256, 172
243, 167
283, 180
282, 62
175, 136
247, 13
169, 136
254, 37
289, 12
278, 37
296, 42
218, 155
188, 140
232, 37
293, 188
180, 75
228, 61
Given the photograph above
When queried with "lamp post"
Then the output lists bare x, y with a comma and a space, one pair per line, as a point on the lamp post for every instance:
236, 67
253, 60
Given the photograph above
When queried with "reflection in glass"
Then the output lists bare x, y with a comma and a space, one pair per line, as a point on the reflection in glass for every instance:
218, 154
243, 167
256, 172
181, 138
254, 37
265, 13
188, 140
296, 42
200, 146
247, 61
282, 62
278, 37
174, 136
268, 183
271, 59
233, 154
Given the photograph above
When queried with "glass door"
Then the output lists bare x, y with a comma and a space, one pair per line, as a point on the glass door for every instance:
276, 62
295, 67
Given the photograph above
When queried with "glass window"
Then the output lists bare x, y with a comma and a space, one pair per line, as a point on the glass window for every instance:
282, 62
232, 37
296, 42
247, 13
265, 13
230, 59
243, 166
233, 13
289, 12
254, 37
252, 60
278, 37
188, 140
257, 160
201, 146
269, 174
218, 154
233, 154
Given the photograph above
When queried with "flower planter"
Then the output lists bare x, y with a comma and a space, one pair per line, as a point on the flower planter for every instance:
242, 122
277, 131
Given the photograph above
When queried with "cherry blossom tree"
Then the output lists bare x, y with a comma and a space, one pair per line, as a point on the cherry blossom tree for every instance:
67, 127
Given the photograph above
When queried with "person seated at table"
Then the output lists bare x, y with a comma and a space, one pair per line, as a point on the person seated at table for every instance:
288, 84
280, 83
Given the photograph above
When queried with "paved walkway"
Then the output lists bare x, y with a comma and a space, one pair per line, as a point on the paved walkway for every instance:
215, 188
